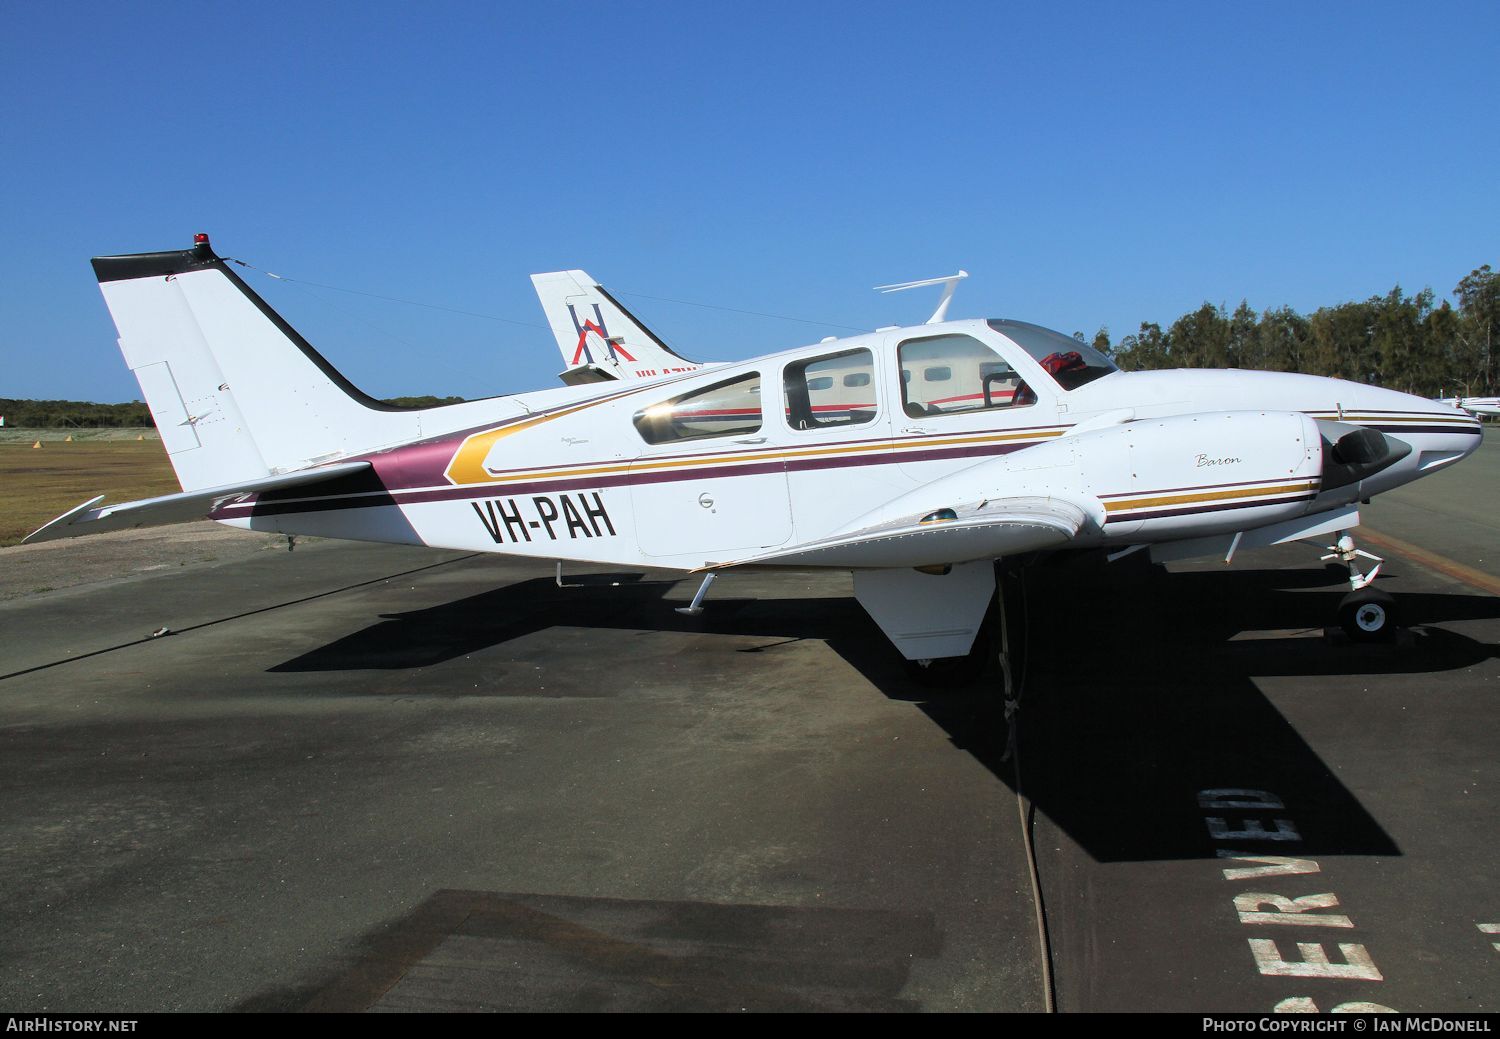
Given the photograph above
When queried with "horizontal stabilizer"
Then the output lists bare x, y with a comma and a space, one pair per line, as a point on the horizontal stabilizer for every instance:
587, 373
174, 508
989, 530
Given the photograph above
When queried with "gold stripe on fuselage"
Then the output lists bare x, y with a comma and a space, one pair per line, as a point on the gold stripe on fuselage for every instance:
736, 458
1202, 496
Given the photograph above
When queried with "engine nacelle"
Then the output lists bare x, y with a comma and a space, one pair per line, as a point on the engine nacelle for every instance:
1163, 479
1156, 479
1191, 475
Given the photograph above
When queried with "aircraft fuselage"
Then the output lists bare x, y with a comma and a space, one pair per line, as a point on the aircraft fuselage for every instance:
803, 445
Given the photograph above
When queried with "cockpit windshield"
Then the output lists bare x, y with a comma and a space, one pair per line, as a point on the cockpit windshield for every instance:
1070, 362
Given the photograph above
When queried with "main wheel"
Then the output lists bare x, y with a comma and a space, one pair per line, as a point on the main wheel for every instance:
1368, 616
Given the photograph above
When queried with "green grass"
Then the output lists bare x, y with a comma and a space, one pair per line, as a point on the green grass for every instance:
39, 484
18, 435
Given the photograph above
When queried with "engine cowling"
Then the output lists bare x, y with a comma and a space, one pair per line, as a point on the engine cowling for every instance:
1157, 478
1198, 474
1162, 479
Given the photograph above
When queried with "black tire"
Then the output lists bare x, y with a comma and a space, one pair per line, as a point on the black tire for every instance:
1368, 616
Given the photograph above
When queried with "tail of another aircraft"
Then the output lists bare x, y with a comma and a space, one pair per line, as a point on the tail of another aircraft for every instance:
237, 394
600, 340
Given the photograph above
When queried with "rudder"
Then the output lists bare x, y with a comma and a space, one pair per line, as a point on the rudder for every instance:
235, 392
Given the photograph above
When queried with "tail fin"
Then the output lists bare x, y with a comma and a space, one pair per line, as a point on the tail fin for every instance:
599, 339
236, 393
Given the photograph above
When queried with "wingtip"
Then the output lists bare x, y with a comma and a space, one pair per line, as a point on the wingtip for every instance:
57, 525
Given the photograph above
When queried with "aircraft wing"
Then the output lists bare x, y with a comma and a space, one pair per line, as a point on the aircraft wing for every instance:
985, 530
173, 508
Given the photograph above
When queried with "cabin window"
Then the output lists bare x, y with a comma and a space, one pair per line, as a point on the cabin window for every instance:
729, 408
1071, 362
958, 374
830, 390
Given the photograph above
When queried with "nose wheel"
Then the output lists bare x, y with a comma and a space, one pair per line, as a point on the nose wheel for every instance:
1365, 614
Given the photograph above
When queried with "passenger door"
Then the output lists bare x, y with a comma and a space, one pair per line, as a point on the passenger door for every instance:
705, 484
835, 429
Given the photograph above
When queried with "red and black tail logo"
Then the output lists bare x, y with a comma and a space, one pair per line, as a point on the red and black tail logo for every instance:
613, 349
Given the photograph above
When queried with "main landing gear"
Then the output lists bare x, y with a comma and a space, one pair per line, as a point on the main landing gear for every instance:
1366, 615
954, 672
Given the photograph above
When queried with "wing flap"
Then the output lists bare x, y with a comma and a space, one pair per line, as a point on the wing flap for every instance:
174, 508
988, 530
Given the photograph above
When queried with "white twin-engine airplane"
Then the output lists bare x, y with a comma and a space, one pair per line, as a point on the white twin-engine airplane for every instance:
1480, 406
915, 457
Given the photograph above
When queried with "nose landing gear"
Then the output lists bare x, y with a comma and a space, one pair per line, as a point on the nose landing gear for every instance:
1366, 615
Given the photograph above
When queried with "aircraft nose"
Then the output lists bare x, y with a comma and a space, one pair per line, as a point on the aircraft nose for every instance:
1438, 434
1441, 434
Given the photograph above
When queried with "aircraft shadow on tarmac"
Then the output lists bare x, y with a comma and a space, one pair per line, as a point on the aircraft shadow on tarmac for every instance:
484, 950
1139, 686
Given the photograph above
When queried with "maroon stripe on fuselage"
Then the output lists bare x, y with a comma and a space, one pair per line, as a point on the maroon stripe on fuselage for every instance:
426, 463
399, 496
1474, 430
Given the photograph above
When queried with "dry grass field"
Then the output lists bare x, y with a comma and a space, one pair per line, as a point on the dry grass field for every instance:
38, 484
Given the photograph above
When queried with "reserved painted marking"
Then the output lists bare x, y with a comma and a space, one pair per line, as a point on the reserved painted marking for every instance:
1255, 816
1315, 962
1305, 1005
1490, 929
1253, 830
1293, 911
1270, 866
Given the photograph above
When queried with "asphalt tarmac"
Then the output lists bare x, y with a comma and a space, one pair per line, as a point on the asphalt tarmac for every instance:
359, 777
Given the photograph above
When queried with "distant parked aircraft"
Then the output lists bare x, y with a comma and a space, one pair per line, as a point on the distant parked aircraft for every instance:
1487, 406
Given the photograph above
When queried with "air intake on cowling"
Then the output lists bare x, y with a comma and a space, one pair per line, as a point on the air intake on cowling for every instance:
1351, 453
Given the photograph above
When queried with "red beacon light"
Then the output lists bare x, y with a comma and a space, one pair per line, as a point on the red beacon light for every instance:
200, 243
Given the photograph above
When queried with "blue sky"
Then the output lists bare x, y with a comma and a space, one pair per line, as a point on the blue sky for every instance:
1089, 164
